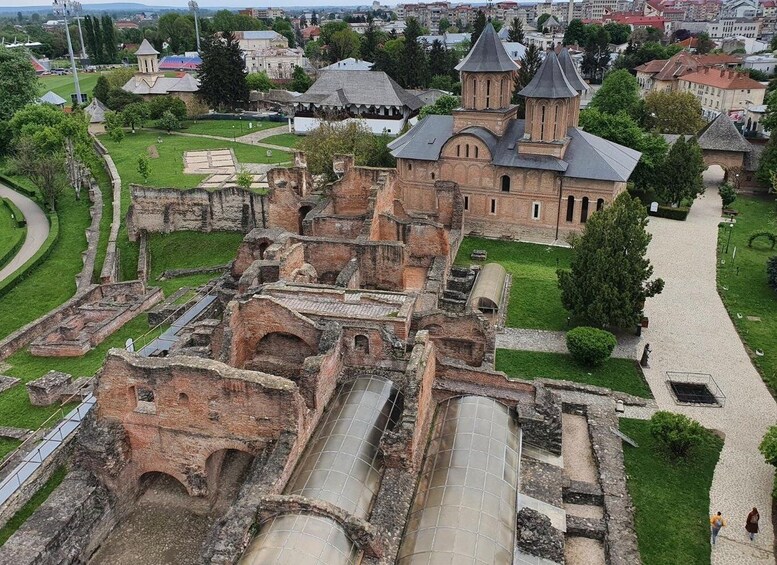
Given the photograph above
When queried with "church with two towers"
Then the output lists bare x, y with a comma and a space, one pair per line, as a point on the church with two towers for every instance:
535, 178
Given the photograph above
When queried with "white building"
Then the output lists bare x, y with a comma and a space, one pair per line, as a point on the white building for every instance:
765, 63
254, 40
728, 27
277, 62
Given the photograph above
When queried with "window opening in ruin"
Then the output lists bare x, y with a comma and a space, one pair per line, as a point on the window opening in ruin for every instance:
410, 166
183, 399
505, 183
599, 204
466, 202
570, 208
535, 211
361, 343
145, 401
584, 210
432, 176
493, 206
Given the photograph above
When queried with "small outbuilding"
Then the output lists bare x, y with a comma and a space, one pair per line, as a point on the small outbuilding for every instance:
488, 291
53, 98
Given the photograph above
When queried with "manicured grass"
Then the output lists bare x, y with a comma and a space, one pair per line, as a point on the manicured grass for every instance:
11, 236
283, 139
15, 407
535, 299
671, 499
63, 85
32, 505
7, 445
228, 128
53, 282
616, 374
742, 282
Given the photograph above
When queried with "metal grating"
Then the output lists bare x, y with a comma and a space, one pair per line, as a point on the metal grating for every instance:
695, 389
465, 506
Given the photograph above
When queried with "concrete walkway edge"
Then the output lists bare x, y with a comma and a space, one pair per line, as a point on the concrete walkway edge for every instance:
37, 230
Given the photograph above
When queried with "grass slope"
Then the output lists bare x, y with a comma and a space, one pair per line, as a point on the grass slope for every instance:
671, 500
616, 374
744, 277
32, 505
63, 85
283, 139
535, 299
10, 235
228, 128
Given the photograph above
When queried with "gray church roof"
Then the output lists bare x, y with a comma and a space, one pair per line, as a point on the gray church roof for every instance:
487, 55
722, 135
364, 88
161, 85
549, 81
570, 71
587, 157
146, 49
52, 98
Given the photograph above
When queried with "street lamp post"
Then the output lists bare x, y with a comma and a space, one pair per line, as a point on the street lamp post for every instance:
77, 10
66, 8
194, 7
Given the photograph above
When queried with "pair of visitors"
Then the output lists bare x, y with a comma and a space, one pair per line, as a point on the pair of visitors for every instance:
717, 522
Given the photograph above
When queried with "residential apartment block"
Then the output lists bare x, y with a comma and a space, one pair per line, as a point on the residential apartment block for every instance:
723, 91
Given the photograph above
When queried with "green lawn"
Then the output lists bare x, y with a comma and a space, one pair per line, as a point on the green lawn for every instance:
63, 85
15, 407
283, 139
535, 299
32, 505
228, 128
616, 374
7, 445
11, 236
53, 282
671, 500
744, 277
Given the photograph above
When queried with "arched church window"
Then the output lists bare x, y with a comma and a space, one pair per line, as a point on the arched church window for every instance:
505, 183
584, 210
570, 208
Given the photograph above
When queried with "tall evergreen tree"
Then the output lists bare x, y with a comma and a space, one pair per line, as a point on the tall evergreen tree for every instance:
110, 47
314, 19
415, 71
101, 89
682, 172
597, 54
89, 39
369, 41
98, 42
222, 73
478, 27
516, 31
530, 63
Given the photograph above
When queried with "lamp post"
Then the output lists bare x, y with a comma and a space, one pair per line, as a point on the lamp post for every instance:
77, 10
730, 230
66, 8
194, 7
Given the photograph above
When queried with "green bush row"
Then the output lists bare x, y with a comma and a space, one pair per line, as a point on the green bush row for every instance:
25, 270
8, 255
679, 213
17, 214
19, 187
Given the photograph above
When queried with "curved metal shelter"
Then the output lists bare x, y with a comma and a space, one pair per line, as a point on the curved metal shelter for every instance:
489, 288
342, 466
464, 511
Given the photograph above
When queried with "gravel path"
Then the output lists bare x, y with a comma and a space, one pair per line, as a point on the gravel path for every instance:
690, 330
555, 342
37, 229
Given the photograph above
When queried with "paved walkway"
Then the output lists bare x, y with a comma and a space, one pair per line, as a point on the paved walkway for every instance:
555, 342
690, 330
37, 229
250, 139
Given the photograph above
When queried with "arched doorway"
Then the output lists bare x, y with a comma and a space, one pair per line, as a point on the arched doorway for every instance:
303, 211
281, 354
226, 470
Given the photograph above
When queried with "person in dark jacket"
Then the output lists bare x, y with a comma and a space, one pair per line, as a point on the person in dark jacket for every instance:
751, 525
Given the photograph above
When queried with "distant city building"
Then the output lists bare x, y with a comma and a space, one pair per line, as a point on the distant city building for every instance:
263, 13
728, 27
449, 40
349, 64
764, 63
277, 62
254, 40
723, 91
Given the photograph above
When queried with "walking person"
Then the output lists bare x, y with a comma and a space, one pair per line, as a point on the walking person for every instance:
716, 523
751, 525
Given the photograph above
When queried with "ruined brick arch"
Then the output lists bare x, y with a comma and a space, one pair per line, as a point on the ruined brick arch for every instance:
328, 277
280, 353
147, 475
214, 463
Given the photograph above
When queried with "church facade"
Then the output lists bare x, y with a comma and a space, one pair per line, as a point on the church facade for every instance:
536, 178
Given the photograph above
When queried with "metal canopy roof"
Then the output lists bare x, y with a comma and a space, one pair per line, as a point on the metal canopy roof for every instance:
465, 505
489, 287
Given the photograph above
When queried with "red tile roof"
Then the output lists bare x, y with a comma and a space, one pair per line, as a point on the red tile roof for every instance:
723, 78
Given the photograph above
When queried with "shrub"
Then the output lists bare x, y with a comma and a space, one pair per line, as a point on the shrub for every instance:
590, 346
768, 447
728, 194
772, 237
771, 272
676, 432
679, 213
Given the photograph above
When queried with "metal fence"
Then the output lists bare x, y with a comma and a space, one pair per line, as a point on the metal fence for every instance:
697, 389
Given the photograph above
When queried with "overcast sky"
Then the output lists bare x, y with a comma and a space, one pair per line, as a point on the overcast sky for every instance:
213, 3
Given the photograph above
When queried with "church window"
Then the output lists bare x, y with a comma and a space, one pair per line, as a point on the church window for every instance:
458, 150
584, 210
410, 166
493, 206
488, 93
466, 150
558, 125
535, 211
477, 150
432, 176
474, 91
505, 183
599, 204
466, 202
570, 208
542, 123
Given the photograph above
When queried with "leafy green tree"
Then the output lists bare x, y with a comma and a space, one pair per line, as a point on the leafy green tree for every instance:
728, 194
222, 73
516, 31
683, 168
259, 81
101, 89
704, 44
768, 162
144, 167
344, 44
135, 115
114, 125
528, 67
44, 167
443, 106
597, 54
166, 103
619, 33
477, 27
619, 93
576, 33
300, 81
676, 432
673, 112
169, 122
444, 82
609, 277
119, 99
443, 25
18, 82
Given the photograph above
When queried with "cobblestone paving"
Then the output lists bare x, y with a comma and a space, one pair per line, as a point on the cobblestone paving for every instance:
690, 331
555, 342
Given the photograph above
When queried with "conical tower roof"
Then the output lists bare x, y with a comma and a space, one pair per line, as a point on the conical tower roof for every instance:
549, 81
488, 55
570, 71
722, 135
146, 49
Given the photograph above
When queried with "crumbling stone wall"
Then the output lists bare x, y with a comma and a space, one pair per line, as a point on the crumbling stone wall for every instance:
467, 337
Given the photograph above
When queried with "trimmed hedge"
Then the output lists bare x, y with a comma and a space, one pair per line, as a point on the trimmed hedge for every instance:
7, 256
771, 272
679, 213
590, 346
25, 270
19, 188
771, 236
17, 214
